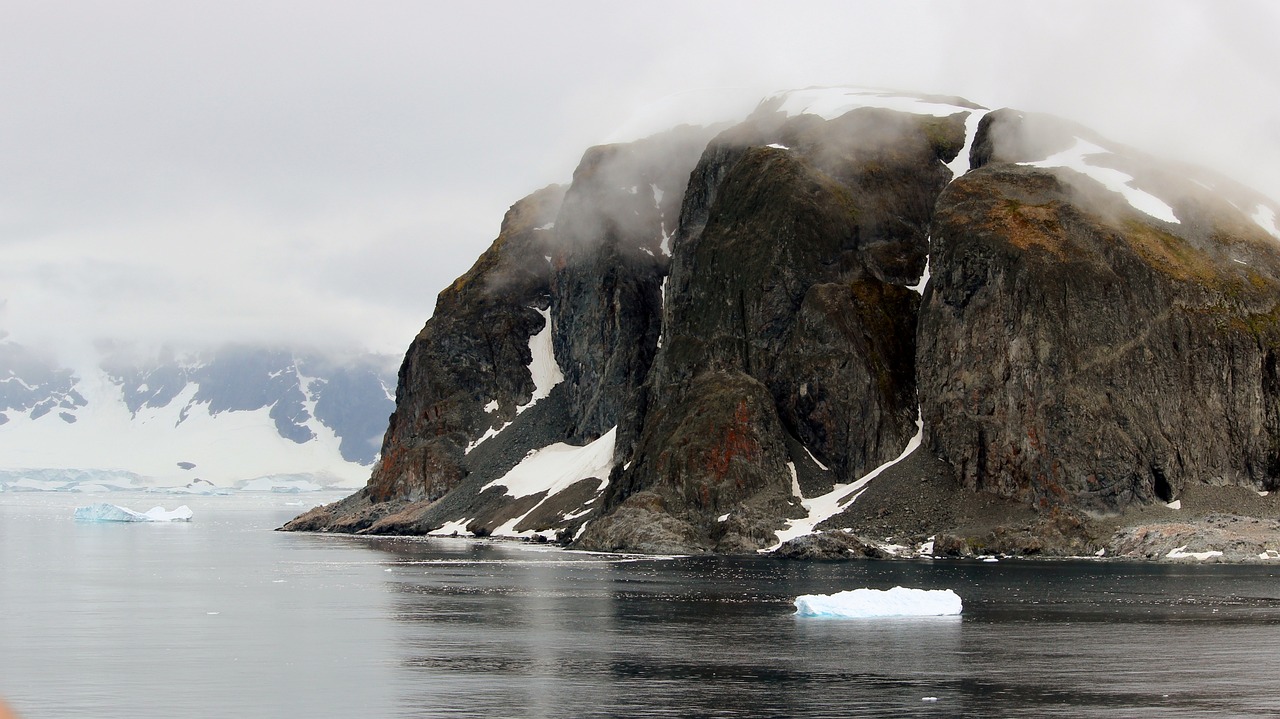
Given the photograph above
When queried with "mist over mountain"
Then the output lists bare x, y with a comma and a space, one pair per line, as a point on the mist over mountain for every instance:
224, 416
857, 323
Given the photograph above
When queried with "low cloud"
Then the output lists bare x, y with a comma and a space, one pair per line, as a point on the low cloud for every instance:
286, 169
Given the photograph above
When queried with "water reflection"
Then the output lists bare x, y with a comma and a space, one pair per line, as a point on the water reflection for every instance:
497, 629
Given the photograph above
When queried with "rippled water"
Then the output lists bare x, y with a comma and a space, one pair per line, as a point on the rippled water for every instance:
221, 617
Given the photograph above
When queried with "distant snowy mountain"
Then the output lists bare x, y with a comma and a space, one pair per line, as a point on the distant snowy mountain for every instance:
242, 416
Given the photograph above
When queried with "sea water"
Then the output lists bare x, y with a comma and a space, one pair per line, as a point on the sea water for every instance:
221, 616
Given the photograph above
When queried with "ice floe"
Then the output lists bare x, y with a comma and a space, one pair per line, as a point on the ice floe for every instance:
103, 512
876, 603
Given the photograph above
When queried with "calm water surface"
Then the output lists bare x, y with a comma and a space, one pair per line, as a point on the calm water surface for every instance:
222, 617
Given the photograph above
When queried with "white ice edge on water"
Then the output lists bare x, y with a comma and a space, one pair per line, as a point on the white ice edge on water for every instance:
827, 505
1076, 158
103, 512
875, 603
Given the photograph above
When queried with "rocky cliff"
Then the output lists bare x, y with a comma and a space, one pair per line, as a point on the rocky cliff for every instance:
723, 339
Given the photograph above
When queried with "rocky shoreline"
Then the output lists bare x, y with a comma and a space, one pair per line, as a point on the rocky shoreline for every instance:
917, 510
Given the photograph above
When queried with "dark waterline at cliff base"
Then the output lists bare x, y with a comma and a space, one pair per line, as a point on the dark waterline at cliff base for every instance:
222, 617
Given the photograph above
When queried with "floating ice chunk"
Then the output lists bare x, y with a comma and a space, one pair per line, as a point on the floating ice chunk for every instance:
873, 603
104, 512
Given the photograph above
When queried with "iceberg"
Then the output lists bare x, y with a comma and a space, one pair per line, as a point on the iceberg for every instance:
103, 512
875, 603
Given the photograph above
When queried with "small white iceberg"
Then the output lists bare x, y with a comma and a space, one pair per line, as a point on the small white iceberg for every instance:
104, 512
874, 603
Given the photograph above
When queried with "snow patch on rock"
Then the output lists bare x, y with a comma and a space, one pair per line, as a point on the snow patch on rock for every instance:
1077, 158
827, 505
832, 102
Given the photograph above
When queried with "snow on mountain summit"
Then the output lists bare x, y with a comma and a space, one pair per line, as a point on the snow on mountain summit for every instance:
226, 417
832, 102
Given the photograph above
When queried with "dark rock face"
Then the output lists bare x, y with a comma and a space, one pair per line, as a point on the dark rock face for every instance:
612, 253
1071, 357
716, 449
1074, 351
592, 258
782, 321
828, 546
474, 350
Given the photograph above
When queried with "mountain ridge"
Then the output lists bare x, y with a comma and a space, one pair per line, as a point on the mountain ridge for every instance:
224, 416
843, 285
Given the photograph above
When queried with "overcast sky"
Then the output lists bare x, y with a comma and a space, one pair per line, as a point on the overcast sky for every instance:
315, 172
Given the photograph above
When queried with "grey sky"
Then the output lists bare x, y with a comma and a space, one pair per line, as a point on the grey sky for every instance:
317, 172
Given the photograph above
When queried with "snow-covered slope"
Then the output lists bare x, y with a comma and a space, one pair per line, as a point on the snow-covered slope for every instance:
242, 416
